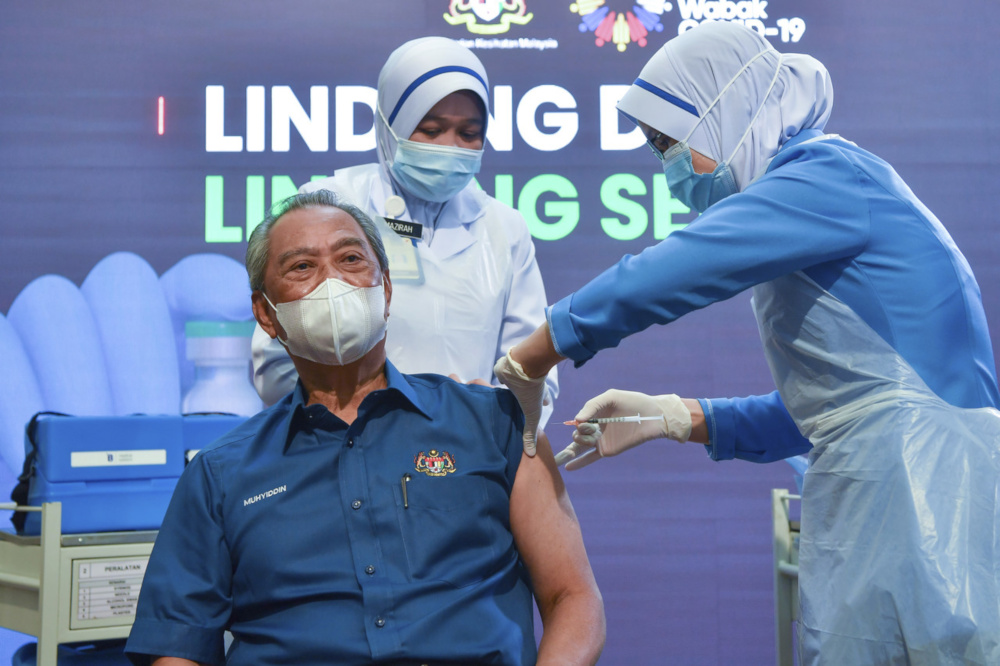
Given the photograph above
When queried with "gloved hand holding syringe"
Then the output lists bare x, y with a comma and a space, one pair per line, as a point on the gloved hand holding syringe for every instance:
600, 433
617, 419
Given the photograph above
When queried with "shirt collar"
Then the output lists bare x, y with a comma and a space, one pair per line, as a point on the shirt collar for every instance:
399, 382
295, 402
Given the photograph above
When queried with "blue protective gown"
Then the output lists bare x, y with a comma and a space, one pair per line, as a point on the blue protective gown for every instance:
844, 218
875, 335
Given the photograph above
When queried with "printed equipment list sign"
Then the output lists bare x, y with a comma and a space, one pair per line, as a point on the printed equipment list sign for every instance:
108, 588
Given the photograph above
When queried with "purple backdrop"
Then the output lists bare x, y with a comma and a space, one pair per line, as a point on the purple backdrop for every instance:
681, 546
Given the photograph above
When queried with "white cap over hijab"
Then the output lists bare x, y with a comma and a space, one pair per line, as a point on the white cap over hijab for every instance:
677, 86
418, 75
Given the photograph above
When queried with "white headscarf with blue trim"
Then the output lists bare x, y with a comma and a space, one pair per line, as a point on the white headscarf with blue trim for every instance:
418, 75
681, 80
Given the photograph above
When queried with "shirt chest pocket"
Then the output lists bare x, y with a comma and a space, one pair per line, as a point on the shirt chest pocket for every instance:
453, 527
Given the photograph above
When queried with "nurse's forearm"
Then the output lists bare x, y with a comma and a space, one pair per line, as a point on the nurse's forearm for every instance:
699, 429
536, 353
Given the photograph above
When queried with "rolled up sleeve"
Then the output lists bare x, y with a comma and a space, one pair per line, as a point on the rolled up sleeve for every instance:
756, 429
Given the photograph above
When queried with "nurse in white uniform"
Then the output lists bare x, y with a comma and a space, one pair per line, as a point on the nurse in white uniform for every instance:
466, 286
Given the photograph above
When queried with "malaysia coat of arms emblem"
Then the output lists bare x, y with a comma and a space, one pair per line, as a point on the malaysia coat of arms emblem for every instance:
434, 463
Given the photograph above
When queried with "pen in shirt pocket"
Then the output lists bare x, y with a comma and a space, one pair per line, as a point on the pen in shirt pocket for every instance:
402, 483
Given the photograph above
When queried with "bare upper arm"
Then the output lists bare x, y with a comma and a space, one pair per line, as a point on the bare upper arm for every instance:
546, 530
174, 661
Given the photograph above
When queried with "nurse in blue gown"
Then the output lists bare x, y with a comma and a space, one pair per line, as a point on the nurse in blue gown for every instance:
873, 328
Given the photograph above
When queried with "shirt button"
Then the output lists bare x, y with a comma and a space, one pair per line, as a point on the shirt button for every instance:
356, 504
380, 622
370, 570
350, 443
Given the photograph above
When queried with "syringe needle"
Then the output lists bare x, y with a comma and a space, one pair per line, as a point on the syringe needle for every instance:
617, 419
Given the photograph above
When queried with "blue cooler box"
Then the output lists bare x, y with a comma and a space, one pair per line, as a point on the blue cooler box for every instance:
114, 473
111, 473
200, 430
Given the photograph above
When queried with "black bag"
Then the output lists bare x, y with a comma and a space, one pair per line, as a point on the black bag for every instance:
20, 492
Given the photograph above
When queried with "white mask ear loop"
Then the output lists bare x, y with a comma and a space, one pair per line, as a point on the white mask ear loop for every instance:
378, 108
384, 292
723, 92
725, 88
276, 336
774, 79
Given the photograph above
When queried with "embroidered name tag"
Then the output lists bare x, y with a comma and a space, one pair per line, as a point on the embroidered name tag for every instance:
270, 493
405, 229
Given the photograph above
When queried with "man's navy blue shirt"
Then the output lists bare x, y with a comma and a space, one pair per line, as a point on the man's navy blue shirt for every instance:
316, 542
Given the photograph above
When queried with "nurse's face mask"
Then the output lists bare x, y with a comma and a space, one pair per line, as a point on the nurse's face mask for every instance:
695, 190
334, 324
430, 171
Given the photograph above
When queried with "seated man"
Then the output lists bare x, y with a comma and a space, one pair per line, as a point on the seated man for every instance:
369, 516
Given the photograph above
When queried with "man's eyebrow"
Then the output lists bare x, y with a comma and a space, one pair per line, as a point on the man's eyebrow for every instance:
349, 241
285, 256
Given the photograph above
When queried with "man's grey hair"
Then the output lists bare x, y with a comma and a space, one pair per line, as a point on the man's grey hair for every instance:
259, 243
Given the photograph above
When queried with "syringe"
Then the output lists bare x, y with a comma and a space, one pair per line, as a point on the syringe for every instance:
617, 419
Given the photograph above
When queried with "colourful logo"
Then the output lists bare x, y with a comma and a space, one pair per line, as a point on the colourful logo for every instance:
434, 463
621, 27
481, 16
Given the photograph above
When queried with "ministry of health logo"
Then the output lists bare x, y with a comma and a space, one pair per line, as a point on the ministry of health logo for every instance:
487, 17
620, 27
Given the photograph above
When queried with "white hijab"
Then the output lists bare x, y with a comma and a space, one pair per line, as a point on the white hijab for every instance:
418, 75
679, 83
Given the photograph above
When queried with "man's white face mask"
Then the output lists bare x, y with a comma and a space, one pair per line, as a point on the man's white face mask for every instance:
335, 324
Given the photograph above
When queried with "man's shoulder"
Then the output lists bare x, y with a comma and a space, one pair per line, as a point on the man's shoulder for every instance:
488, 417
438, 392
259, 427
430, 382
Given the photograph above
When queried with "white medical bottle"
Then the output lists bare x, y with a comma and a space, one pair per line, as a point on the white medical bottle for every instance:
220, 351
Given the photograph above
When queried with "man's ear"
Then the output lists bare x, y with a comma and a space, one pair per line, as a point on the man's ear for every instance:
388, 290
264, 314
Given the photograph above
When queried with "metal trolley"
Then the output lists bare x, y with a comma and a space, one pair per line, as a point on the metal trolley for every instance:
786, 574
69, 588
